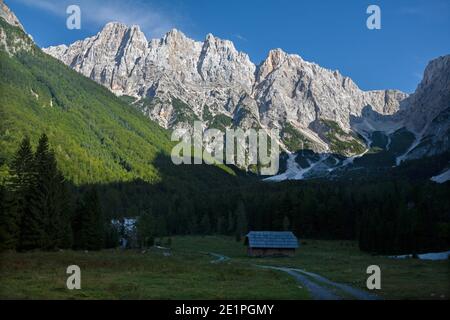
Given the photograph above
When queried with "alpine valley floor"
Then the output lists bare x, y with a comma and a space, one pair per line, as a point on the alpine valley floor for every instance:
188, 273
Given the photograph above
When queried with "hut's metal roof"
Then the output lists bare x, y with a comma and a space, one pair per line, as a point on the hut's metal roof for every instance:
272, 239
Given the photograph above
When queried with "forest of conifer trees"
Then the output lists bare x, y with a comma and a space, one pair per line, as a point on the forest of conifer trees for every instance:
36, 210
41, 210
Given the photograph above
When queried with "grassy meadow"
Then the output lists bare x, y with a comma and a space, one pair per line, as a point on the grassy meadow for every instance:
188, 272
117, 274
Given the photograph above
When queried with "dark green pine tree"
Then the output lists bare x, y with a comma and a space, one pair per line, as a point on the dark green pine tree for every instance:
22, 184
146, 229
51, 198
77, 224
88, 223
65, 237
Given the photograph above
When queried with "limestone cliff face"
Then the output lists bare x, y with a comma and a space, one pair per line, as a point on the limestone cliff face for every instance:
427, 111
291, 89
210, 73
176, 80
21, 42
9, 16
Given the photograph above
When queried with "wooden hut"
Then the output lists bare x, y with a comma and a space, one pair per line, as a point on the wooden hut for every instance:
271, 243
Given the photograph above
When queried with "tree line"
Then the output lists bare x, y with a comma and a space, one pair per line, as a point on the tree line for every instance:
384, 215
37, 210
389, 215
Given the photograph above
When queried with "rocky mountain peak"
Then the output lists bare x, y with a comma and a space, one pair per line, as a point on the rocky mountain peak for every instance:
182, 77
213, 41
276, 57
283, 89
9, 16
436, 85
219, 61
114, 26
13, 42
273, 61
437, 74
174, 35
117, 32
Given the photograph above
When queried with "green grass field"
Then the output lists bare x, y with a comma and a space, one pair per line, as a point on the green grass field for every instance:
117, 274
189, 274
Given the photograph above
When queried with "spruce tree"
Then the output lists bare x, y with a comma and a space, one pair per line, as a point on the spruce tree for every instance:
77, 224
23, 185
51, 198
88, 223
146, 226
65, 236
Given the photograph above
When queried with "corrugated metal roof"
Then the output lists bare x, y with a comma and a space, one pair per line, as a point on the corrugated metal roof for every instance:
272, 239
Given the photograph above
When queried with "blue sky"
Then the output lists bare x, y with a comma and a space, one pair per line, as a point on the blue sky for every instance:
329, 32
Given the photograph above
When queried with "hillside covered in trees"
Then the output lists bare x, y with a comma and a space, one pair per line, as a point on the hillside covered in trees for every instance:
97, 137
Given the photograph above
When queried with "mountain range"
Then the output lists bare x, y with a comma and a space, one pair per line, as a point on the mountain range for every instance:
176, 80
326, 123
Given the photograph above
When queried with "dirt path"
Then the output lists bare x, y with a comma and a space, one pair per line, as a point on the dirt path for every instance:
357, 293
319, 292
219, 257
319, 287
